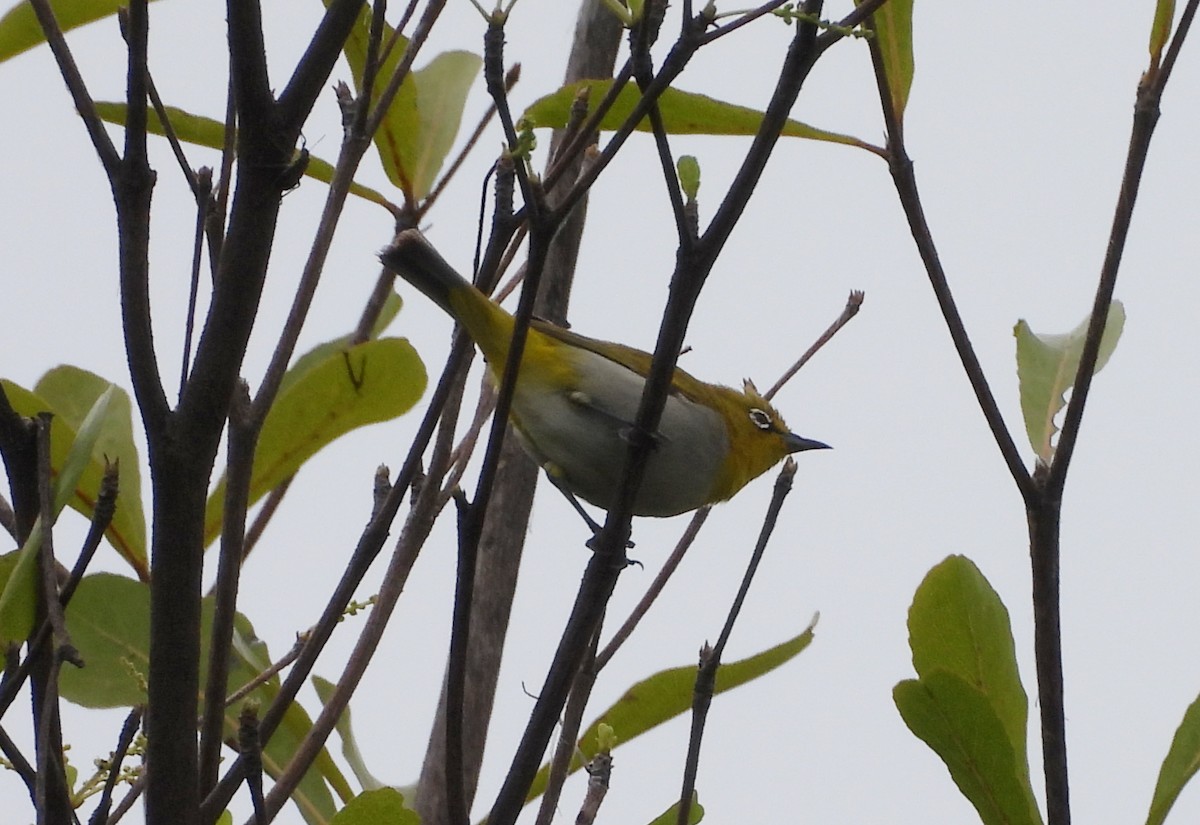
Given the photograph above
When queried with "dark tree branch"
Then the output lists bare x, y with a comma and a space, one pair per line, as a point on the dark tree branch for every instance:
243, 437
312, 72
84, 104
1045, 511
910, 200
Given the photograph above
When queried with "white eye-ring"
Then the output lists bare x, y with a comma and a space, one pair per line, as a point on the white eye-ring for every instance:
761, 419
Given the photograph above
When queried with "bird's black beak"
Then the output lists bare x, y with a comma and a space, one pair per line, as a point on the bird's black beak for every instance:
797, 443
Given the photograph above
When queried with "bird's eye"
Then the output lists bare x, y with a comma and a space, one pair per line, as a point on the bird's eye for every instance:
760, 419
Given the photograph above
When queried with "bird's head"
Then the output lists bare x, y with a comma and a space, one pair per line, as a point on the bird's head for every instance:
758, 439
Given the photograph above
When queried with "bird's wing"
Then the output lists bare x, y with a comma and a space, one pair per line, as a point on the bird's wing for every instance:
632, 359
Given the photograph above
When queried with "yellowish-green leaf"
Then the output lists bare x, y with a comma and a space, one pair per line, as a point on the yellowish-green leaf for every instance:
20, 30
1160, 30
109, 621
689, 176
16, 617
68, 393
442, 89
381, 806
420, 125
72, 391
1179, 766
204, 131
893, 29
324, 396
667, 694
345, 729
19, 597
671, 815
1046, 368
684, 113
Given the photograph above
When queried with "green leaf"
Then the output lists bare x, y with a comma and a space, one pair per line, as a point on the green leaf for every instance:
383, 806
20, 30
968, 703
684, 113
350, 750
958, 624
671, 815
893, 31
71, 392
667, 694
1046, 368
420, 125
109, 622
204, 131
1160, 30
960, 724
1180, 765
326, 395
18, 600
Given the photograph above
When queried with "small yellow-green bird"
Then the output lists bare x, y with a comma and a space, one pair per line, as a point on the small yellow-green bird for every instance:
576, 399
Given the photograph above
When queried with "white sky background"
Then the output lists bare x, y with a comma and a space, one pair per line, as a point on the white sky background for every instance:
1018, 125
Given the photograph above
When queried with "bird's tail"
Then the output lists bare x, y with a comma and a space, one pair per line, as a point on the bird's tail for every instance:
415, 260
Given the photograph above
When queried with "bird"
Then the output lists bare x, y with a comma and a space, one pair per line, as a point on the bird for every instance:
576, 398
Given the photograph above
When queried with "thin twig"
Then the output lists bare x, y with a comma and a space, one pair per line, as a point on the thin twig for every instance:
48, 582
132, 722
566, 749
203, 192
250, 749
599, 772
263, 517
270, 673
102, 515
136, 789
743, 20
710, 658
656, 587
84, 104
19, 763
853, 303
